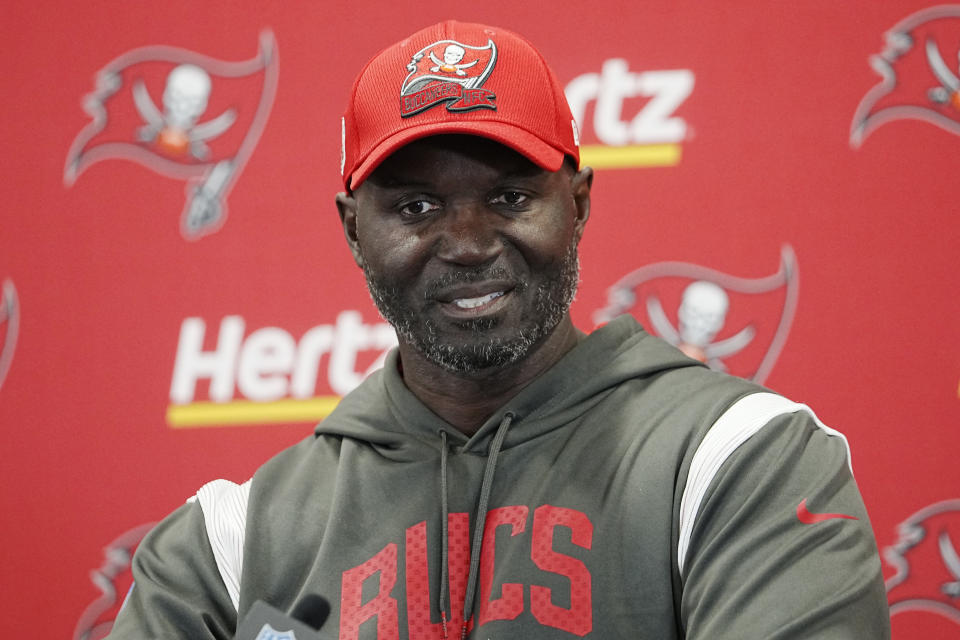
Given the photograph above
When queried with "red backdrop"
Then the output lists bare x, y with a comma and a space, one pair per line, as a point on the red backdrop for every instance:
177, 309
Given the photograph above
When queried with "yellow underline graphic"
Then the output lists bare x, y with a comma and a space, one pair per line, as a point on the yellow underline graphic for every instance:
601, 156
246, 412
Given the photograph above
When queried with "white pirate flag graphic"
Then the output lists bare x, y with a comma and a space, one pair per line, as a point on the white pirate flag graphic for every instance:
448, 71
919, 67
183, 115
114, 580
926, 557
9, 326
730, 323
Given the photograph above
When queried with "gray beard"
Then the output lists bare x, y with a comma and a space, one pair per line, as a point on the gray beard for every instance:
552, 301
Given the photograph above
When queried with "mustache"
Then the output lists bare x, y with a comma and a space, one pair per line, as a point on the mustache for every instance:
466, 275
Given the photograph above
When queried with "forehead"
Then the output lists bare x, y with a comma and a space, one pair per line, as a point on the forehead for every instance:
469, 157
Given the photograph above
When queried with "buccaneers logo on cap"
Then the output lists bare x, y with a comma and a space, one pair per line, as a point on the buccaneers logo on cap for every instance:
927, 559
448, 71
920, 71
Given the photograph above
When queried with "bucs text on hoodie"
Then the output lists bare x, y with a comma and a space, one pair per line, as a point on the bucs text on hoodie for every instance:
628, 492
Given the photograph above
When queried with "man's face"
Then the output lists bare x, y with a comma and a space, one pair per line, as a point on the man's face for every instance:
468, 248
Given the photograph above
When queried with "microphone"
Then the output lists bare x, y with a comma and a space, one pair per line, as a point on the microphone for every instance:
264, 622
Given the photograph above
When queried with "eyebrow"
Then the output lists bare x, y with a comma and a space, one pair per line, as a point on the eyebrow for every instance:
398, 182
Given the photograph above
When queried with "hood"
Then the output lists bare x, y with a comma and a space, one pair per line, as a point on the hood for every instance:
384, 413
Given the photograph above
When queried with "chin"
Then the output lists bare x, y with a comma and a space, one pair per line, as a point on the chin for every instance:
480, 357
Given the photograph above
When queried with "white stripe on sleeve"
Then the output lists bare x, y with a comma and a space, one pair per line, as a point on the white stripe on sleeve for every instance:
741, 420
224, 506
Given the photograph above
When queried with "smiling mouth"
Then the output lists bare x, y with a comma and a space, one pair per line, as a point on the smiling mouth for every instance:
470, 305
473, 303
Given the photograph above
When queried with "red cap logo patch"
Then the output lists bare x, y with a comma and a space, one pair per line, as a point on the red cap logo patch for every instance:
448, 71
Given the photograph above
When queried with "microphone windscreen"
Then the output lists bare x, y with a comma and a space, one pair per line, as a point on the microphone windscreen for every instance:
312, 610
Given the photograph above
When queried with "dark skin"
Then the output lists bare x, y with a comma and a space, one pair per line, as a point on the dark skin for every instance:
453, 202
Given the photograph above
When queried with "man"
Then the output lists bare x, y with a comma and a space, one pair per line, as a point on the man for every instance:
505, 475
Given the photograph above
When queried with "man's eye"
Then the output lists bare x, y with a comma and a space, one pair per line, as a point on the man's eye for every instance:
418, 208
511, 198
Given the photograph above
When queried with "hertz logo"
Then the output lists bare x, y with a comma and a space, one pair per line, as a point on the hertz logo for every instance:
269, 376
649, 137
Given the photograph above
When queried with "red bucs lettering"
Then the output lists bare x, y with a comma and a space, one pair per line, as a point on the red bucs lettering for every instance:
578, 619
508, 602
382, 605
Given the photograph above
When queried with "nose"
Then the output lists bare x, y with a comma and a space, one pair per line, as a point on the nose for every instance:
469, 235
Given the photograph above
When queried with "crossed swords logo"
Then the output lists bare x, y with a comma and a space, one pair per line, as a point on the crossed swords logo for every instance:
9, 316
171, 140
703, 310
927, 562
949, 90
184, 101
901, 93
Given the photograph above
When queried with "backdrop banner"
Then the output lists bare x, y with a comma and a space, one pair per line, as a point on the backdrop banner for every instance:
774, 194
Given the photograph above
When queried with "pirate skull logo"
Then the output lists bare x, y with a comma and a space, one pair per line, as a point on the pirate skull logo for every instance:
185, 99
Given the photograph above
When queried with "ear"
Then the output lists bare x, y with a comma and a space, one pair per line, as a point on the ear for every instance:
580, 186
347, 206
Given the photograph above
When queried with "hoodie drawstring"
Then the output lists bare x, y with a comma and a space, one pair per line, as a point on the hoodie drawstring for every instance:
483, 505
444, 575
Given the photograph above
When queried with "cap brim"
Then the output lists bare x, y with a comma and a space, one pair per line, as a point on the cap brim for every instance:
523, 142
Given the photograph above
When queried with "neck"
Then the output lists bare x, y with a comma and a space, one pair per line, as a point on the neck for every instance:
467, 400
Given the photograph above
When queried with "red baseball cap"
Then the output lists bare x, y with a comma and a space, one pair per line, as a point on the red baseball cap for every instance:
455, 77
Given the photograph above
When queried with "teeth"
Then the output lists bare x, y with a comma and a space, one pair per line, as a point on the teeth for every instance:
472, 303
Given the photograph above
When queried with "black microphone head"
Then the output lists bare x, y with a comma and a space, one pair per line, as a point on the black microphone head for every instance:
312, 610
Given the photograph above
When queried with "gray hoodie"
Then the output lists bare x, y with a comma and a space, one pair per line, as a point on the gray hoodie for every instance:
628, 492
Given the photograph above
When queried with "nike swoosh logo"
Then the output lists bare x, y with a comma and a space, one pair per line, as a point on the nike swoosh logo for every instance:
804, 515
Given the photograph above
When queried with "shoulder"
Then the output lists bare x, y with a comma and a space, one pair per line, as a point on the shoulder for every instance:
225, 505
769, 503
751, 420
